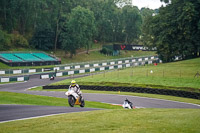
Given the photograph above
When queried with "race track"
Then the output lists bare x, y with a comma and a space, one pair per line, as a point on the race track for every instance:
13, 112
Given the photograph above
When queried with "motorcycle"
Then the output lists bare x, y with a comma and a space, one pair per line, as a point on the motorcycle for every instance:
52, 78
127, 104
74, 99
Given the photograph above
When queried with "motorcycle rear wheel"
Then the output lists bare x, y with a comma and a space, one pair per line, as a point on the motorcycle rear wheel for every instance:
82, 103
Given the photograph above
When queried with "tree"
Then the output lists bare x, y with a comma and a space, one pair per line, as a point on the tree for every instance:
175, 30
79, 30
5, 40
132, 23
43, 38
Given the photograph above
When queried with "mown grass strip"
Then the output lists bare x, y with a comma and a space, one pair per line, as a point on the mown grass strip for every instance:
27, 99
106, 121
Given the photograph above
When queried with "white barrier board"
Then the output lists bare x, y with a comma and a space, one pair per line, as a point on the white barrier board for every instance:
119, 62
119, 66
95, 65
133, 60
126, 61
32, 70
70, 72
81, 71
102, 68
44, 76
104, 64
56, 68
5, 80
92, 70
77, 67
2, 72
111, 67
87, 66
112, 63
17, 71
20, 79
59, 74
67, 67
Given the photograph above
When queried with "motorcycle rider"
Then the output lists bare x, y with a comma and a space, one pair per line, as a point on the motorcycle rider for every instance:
75, 87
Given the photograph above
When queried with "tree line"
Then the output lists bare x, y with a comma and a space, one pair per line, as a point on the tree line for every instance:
175, 30
67, 24
73, 24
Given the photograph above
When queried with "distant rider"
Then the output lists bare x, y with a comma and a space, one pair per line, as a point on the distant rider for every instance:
75, 87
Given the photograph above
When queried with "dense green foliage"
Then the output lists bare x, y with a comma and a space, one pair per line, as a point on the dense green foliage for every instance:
79, 30
175, 30
71, 25
67, 24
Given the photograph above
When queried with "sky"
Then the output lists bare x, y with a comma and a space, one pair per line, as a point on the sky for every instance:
152, 4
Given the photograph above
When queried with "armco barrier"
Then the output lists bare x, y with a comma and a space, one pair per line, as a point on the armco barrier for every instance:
185, 94
15, 79
79, 70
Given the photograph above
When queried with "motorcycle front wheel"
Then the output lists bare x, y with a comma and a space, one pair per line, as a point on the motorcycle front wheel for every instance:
71, 101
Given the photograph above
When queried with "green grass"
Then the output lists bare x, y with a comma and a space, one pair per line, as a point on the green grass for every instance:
176, 76
27, 99
112, 121
97, 56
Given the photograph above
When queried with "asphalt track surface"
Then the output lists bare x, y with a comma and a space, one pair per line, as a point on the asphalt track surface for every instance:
15, 112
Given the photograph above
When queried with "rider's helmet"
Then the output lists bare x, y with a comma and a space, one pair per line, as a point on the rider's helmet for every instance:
73, 83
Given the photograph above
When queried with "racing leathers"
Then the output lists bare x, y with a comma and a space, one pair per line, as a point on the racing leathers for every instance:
76, 89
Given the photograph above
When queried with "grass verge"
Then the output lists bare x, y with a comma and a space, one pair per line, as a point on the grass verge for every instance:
176, 76
27, 99
112, 121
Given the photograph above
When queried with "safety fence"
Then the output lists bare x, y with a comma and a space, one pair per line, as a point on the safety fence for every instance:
96, 67
79, 65
193, 95
14, 79
82, 68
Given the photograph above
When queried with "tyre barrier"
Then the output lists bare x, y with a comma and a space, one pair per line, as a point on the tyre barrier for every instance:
185, 94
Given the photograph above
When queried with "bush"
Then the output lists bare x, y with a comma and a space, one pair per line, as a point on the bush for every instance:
106, 51
5, 41
43, 38
19, 41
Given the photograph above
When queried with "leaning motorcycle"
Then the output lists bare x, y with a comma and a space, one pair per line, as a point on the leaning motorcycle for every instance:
74, 99
127, 104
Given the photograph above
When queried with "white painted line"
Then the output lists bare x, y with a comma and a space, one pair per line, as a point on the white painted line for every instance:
41, 116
